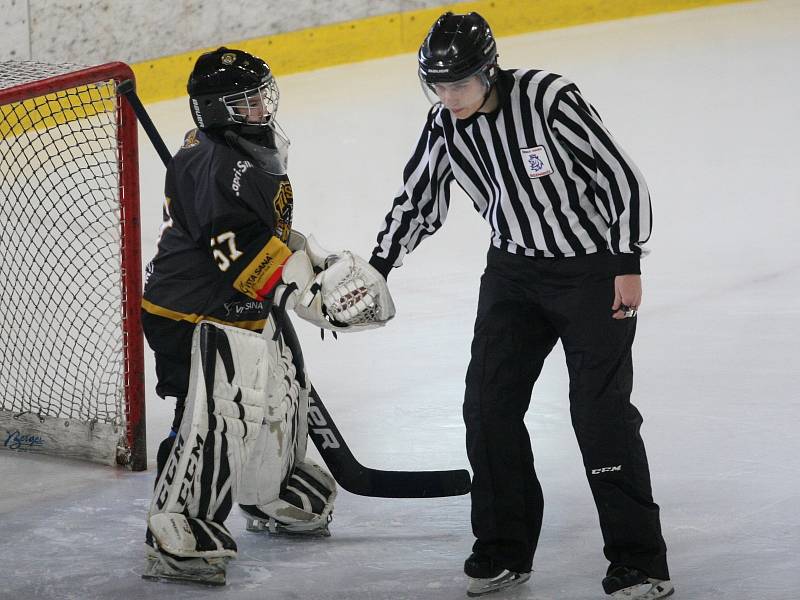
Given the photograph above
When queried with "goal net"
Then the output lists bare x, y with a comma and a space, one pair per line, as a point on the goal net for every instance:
71, 374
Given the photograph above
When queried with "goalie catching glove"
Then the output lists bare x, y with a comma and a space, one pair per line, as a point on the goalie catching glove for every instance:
336, 291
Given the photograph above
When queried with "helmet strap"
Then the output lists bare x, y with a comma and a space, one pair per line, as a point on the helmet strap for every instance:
491, 79
485, 98
487, 95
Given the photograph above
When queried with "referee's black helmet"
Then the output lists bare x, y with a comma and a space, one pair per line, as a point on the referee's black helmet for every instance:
456, 47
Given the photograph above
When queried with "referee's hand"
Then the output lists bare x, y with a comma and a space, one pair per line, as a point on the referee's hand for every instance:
627, 296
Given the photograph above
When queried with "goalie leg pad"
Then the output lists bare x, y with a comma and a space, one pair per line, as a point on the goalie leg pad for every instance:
186, 549
280, 490
282, 437
163, 567
305, 506
188, 537
221, 422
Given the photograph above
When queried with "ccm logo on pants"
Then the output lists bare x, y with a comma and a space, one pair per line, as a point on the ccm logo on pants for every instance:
606, 470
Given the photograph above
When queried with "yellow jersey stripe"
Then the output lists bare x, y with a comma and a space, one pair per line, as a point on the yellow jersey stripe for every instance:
175, 315
256, 275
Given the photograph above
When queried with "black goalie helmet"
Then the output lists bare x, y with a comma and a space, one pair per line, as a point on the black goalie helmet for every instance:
457, 47
230, 87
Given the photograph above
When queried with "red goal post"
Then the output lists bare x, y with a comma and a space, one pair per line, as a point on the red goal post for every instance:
71, 347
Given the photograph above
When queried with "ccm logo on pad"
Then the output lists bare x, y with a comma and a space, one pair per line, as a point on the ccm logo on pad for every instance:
606, 470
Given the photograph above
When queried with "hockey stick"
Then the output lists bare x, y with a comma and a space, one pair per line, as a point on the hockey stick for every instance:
348, 472
361, 480
128, 89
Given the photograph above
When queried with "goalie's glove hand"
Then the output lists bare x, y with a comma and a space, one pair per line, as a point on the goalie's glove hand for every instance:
308, 259
348, 295
320, 257
299, 275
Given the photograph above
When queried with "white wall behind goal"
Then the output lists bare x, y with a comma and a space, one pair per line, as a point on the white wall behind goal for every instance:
15, 43
96, 31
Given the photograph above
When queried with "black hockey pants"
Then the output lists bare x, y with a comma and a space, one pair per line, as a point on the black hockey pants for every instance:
526, 305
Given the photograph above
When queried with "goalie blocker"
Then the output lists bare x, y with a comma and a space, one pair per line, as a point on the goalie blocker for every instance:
242, 438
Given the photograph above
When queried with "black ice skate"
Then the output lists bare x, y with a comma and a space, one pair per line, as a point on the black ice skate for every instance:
487, 577
627, 582
258, 522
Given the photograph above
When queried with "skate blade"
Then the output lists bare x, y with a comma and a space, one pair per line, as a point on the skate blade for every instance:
157, 569
506, 579
656, 591
272, 528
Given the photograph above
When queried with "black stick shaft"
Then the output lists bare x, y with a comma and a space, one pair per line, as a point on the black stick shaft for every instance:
128, 89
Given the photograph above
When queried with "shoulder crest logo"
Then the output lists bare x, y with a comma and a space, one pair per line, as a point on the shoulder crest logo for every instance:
190, 140
537, 163
284, 206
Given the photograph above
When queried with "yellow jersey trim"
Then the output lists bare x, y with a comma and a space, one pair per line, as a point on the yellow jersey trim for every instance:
175, 315
262, 268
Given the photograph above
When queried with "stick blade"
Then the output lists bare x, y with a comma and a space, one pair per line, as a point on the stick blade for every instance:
416, 484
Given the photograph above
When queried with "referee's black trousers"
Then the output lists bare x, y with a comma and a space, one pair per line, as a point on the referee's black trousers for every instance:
525, 305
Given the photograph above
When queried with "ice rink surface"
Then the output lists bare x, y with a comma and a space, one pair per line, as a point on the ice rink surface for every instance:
705, 101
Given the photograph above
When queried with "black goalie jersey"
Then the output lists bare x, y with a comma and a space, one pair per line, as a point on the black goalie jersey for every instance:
223, 239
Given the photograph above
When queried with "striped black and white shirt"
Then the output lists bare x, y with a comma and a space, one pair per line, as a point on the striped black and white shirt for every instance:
542, 169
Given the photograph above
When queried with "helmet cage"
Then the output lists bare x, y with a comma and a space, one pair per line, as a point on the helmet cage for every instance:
259, 103
256, 106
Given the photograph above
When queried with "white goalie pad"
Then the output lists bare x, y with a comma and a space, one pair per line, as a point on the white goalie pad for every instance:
278, 484
187, 537
222, 420
349, 295
304, 506
282, 438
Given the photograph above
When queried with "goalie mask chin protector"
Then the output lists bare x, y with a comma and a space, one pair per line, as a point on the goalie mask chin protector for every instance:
457, 48
269, 148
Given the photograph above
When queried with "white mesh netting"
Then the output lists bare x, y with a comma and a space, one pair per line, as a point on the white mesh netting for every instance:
61, 338
19, 72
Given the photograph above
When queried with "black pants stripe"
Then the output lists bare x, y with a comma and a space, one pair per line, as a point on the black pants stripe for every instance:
526, 305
